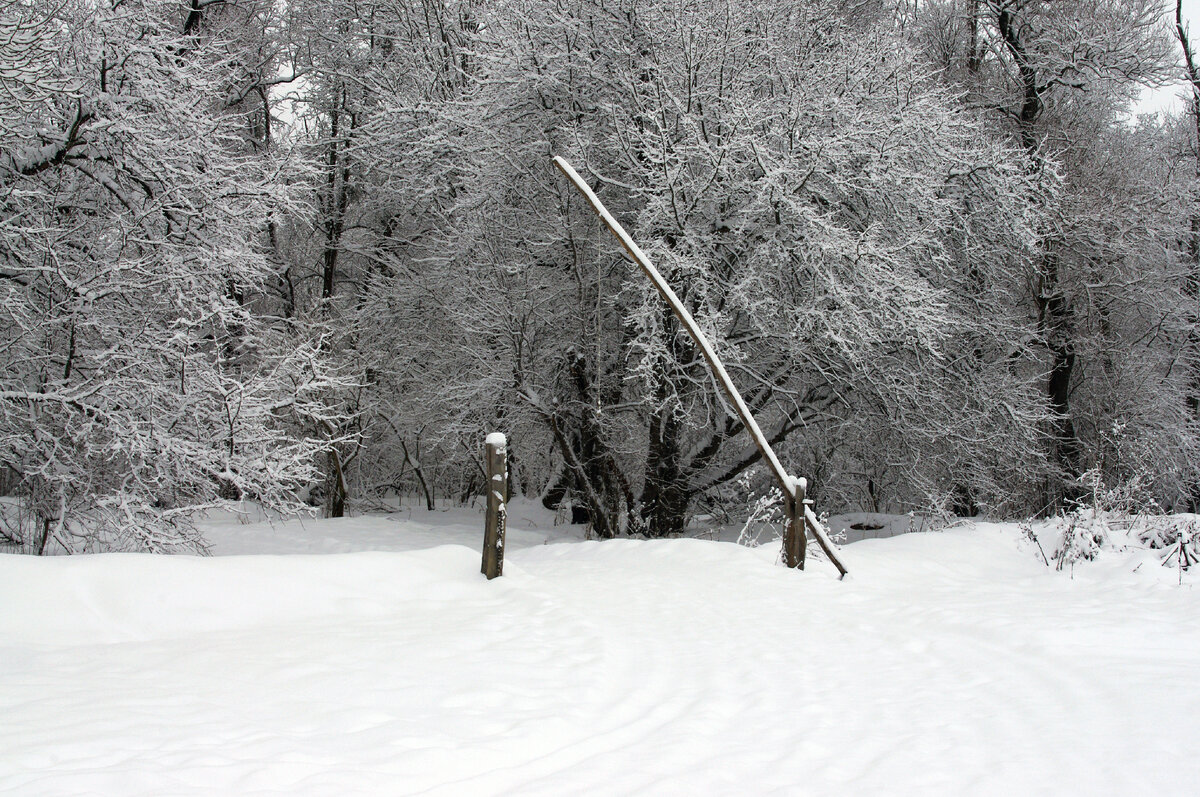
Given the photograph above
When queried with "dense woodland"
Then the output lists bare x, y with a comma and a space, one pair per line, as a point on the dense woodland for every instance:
311, 252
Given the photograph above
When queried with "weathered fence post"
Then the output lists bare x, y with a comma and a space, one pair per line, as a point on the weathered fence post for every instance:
496, 457
795, 537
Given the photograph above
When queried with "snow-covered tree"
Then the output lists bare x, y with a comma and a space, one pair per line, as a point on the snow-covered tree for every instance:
939, 262
138, 381
1058, 79
845, 235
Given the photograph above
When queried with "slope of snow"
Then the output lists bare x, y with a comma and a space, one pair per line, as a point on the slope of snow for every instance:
948, 663
405, 529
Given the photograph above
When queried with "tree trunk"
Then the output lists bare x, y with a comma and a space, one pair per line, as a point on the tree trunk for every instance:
1055, 319
1192, 282
664, 495
973, 57
39, 545
335, 483
592, 472
415, 464
338, 199
1054, 312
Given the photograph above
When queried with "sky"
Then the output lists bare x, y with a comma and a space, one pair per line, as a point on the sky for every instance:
1170, 98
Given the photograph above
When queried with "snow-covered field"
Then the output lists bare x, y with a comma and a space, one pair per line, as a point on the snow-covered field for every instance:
369, 656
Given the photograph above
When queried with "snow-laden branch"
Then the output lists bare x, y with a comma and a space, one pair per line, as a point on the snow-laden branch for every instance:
33, 160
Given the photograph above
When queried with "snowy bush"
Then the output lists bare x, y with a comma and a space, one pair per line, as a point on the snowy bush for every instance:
1081, 533
764, 513
1030, 537
1168, 532
1178, 539
1120, 517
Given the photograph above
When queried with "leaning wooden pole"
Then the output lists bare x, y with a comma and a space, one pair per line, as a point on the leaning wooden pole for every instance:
793, 488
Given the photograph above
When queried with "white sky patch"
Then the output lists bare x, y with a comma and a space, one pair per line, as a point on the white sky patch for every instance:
1173, 97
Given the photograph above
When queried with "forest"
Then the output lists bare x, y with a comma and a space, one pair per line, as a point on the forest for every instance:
307, 254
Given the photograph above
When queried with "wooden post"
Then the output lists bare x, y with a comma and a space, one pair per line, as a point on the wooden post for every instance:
795, 536
496, 457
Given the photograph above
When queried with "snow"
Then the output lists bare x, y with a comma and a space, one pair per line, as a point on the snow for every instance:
369, 656
496, 439
874, 525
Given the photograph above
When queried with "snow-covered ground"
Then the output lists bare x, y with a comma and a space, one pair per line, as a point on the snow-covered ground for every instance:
951, 662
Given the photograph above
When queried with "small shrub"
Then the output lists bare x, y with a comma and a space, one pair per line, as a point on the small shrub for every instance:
764, 512
1178, 540
1082, 532
1030, 536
